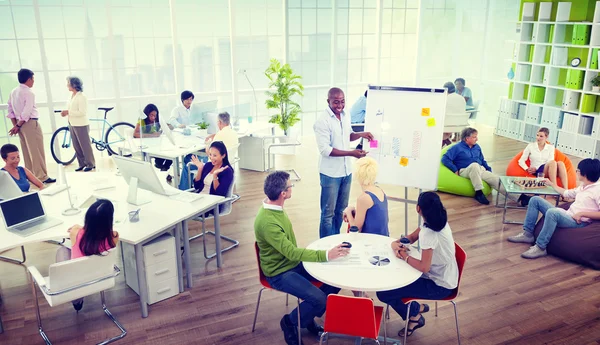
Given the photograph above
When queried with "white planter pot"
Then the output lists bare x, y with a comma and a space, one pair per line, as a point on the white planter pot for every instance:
203, 133
596, 88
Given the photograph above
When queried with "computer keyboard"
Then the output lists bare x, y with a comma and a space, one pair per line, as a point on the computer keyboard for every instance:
186, 197
53, 189
37, 226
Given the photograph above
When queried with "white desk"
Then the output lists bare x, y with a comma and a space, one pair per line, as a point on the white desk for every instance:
157, 217
356, 272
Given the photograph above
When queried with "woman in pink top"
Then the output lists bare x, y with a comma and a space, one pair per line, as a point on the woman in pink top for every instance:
94, 238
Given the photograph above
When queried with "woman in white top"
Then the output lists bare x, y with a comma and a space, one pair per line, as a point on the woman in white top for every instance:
438, 263
541, 160
79, 125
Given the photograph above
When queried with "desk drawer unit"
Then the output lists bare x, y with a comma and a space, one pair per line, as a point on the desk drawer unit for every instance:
160, 266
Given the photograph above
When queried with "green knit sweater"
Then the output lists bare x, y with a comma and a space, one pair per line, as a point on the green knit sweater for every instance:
277, 243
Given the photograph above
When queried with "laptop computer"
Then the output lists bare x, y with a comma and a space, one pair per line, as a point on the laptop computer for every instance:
25, 215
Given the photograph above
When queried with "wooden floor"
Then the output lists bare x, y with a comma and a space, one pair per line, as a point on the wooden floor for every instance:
504, 299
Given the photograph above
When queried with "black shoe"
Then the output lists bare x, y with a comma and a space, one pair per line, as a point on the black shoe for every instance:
78, 305
315, 329
86, 169
50, 180
524, 200
419, 323
480, 197
290, 332
79, 169
157, 166
165, 168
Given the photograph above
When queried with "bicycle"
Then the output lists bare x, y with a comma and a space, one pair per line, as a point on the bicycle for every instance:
112, 135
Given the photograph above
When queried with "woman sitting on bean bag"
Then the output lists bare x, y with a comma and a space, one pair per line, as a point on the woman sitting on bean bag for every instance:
541, 162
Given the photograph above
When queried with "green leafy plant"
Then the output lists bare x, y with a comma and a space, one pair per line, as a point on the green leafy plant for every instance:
284, 85
596, 81
203, 125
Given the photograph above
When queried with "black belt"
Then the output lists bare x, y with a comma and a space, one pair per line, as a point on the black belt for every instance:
33, 118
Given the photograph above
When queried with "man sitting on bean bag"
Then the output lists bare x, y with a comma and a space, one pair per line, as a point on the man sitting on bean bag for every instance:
581, 213
465, 159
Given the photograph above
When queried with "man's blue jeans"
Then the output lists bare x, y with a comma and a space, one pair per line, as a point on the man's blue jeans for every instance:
555, 217
184, 180
297, 282
335, 192
422, 288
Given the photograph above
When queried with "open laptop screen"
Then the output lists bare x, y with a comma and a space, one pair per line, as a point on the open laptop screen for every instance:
22, 209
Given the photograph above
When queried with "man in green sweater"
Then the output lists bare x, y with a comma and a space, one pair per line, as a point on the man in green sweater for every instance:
281, 259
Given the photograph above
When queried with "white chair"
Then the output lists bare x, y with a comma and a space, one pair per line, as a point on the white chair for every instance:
455, 123
225, 208
282, 148
473, 114
73, 279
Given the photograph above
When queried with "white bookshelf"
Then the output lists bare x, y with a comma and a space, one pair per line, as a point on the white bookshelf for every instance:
541, 61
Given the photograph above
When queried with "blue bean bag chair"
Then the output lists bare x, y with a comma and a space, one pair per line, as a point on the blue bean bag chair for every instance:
449, 182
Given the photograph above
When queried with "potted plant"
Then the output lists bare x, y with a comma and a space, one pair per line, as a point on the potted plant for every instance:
203, 128
596, 83
284, 84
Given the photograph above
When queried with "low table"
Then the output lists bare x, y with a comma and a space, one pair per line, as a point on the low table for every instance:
370, 266
511, 188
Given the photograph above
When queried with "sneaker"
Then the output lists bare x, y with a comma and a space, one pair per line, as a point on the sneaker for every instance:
290, 332
534, 252
480, 197
523, 237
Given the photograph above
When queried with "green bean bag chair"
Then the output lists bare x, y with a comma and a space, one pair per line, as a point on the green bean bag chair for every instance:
449, 182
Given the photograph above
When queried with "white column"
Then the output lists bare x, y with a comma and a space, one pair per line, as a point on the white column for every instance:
115, 72
378, 29
234, 75
333, 43
176, 68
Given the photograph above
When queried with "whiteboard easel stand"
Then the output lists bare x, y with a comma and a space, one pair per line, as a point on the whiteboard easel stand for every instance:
406, 201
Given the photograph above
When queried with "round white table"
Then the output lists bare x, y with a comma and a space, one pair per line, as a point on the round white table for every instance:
370, 266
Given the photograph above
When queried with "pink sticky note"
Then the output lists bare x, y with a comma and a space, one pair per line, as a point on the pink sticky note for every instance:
373, 144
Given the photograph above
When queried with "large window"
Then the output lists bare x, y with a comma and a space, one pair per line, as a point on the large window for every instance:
132, 52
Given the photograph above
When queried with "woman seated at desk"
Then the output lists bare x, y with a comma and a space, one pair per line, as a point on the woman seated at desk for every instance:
438, 263
216, 174
150, 128
371, 212
95, 237
21, 175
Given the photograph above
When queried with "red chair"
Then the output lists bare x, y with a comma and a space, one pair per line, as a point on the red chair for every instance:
353, 316
461, 257
263, 281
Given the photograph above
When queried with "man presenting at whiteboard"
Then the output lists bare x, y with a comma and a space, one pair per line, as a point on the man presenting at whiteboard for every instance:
334, 134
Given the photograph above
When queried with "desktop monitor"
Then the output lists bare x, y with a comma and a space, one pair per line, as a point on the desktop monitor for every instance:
168, 133
199, 110
8, 186
143, 171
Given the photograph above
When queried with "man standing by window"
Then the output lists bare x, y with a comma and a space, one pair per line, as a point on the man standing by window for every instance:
24, 116
334, 133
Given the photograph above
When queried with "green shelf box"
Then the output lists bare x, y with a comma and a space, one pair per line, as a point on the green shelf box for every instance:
536, 94
594, 62
589, 103
574, 79
581, 35
531, 47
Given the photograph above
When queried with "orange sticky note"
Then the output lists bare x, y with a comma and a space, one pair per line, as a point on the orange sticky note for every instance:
431, 122
425, 111
403, 161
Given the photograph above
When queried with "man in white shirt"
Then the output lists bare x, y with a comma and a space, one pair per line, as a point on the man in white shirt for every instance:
455, 106
334, 133
226, 134
180, 116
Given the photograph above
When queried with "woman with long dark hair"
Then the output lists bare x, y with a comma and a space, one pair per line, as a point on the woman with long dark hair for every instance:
150, 128
438, 263
217, 173
94, 238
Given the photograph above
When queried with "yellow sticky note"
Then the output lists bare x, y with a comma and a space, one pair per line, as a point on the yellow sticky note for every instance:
403, 161
425, 111
431, 122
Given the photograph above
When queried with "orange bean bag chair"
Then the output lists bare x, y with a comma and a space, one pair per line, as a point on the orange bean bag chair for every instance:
514, 169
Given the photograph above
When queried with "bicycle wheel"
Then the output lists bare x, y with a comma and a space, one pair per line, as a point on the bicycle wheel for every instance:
115, 136
61, 145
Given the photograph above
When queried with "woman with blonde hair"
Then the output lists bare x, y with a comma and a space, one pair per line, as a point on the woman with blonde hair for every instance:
371, 212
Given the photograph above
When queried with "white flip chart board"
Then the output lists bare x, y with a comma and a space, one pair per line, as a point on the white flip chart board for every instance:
407, 123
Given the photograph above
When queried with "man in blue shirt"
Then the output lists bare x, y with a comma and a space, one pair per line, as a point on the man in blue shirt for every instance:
334, 133
465, 159
359, 109
464, 91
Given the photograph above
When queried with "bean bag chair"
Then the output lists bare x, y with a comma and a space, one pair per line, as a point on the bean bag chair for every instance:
449, 182
514, 169
577, 245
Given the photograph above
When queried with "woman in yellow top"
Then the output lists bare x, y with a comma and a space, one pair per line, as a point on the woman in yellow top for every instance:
150, 128
79, 125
